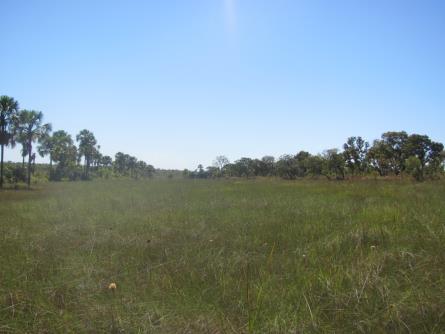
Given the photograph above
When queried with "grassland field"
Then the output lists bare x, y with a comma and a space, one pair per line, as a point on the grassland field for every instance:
223, 256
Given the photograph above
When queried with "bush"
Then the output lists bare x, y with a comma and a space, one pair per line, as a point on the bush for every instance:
15, 174
413, 167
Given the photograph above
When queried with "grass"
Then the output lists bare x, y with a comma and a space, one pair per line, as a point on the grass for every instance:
191, 256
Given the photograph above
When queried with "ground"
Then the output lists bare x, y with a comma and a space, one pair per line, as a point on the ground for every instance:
228, 256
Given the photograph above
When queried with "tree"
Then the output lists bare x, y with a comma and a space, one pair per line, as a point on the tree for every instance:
286, 167
424, 149
267, 165
120, 164
150, 170
46, 147
379, 157
87, 148
106, 161
302, 163
64, 153
213, 172
96, 156
243, 167
132, 164
315, 165
355, 151
220, 162
394, 143
200, 172
24, 151
8, 111
291, 167
334, 164
29, 125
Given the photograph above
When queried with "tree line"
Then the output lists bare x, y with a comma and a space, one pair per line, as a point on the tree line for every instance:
26, 128
396, 153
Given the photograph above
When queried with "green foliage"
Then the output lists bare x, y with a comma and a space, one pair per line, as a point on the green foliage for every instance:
15, 174
87, 149
386, 157
8, 112
128, 165
395, 143
334, 164
413, 167
355, 153
30, 128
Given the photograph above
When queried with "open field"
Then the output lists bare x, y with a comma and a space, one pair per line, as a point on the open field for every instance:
229, 256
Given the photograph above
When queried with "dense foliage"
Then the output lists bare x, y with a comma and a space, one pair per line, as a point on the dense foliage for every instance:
395, 154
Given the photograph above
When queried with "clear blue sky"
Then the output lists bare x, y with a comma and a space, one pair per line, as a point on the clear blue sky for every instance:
177, 82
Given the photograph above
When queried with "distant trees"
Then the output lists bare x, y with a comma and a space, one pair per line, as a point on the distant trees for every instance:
26, 127
428, 153
8, 110
63, 152
106, 161
395, 153
220, 162
355, 152
29, 126
267, 166
87, 149
380, 159
286, 167
128, 165
334, 164
394, 143
46, 147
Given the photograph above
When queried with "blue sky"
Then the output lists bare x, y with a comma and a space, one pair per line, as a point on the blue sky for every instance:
178, 82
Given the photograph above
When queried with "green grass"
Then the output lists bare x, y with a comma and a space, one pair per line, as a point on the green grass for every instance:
236, 256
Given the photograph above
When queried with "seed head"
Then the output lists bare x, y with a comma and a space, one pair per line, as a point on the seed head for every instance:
112, 286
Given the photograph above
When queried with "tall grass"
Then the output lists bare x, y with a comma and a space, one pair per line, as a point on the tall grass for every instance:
191, 256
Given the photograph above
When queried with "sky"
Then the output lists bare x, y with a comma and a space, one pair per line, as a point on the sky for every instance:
178, 82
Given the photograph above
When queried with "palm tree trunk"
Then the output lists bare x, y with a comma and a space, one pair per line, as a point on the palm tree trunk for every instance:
29, 165
1, 172
23, 161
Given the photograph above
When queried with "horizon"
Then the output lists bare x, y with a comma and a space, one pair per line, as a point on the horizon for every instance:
178, 84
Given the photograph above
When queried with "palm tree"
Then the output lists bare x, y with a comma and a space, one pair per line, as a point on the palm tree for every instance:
8, 111
46, 147
87, 148
29, 125
61, 150
24, 151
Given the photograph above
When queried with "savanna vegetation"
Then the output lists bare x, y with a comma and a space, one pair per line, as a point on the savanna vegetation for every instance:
27, 129
395, 154
249, 251
223, 256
